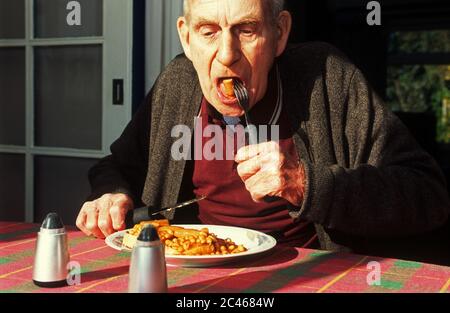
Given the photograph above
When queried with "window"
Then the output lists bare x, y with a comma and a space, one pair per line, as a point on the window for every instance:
57, 114
419, 75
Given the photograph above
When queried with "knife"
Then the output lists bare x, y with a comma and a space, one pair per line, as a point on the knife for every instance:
148, 212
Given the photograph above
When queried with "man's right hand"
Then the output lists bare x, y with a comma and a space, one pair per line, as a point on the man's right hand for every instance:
104, 216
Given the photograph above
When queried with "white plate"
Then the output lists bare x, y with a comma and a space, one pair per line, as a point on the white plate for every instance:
256, 243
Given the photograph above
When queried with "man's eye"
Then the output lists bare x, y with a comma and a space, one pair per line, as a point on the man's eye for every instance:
247, 32
208, 31
208, 34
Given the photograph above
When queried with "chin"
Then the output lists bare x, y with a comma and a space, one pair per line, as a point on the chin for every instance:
231, 113
227, 110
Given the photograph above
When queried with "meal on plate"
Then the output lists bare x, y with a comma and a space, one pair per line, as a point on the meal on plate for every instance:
184, 241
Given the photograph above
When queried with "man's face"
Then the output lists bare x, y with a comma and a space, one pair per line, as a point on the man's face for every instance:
231, 39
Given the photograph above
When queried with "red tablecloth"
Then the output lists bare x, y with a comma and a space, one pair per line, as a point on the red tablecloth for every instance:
284, 270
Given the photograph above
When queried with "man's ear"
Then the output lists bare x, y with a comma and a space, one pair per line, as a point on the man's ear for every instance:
183, 33
283, 31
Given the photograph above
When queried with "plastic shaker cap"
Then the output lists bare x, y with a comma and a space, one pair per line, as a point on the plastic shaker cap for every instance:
148, 234
52, 221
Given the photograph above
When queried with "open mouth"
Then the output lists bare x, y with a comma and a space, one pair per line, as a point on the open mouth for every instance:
225, 89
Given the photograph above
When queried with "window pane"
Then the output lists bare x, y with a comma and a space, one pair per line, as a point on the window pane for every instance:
12, 96
421, 88
12, 19
12, 187
51, 19
61, 185
420, 42
68, 97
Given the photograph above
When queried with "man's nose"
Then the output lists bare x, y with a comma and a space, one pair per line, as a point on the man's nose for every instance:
229, 50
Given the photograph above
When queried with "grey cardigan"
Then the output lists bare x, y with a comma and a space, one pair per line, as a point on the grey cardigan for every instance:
367, 179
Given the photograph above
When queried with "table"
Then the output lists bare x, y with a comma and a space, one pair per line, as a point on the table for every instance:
285, 270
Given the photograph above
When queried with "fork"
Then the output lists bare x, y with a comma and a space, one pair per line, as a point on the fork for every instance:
242, 96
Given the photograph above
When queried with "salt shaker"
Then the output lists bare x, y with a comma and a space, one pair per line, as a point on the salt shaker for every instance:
148, 272
51, 254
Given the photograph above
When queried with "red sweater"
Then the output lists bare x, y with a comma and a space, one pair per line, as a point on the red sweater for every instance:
229, 202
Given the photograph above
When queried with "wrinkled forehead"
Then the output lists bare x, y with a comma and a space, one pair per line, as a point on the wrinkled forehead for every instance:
226, 11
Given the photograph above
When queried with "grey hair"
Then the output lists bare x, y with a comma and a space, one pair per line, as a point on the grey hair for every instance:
276, 7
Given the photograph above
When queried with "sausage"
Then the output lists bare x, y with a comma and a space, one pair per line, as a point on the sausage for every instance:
228, 85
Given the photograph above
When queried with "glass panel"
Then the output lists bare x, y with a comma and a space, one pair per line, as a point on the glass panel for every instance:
12, 96
51, 19
420, 42
421, 88
61, 185
12, 19
12, 187
68, 97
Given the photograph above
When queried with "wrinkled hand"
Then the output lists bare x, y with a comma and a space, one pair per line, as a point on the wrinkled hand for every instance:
104, 216
268, 170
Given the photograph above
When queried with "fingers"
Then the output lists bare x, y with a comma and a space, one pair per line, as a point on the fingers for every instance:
104, 219
121, 205
248, 152
270, 170
248, 168
91, 220
266, 162
105, 215
263, 173
264, 184
81, 220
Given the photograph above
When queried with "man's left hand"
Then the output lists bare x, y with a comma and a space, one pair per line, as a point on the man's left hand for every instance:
268, 170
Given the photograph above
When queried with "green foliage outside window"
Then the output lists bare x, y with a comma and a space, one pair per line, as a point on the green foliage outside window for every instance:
419, 42
420, 88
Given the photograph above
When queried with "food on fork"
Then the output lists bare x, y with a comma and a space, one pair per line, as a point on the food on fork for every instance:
184, 241
228, 87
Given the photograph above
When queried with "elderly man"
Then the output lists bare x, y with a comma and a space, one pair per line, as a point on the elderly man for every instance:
344, 169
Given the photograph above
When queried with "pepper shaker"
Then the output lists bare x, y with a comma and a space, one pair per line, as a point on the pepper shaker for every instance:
148, 273
51, 254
